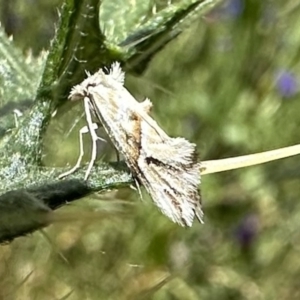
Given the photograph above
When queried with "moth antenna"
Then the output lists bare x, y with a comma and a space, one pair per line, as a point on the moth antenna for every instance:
75, 123
220, 165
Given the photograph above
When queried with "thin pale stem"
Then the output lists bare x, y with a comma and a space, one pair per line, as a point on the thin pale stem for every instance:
220, 165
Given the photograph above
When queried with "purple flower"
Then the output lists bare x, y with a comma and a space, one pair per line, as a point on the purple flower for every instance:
234, 8
287, 84
230, 9
246, 231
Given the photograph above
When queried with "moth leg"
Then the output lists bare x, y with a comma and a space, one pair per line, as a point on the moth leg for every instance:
17, 114
118, 155
82, 131
138, 188
93, 134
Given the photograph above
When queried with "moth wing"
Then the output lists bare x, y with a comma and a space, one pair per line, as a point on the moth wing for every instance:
141, 109
171, 175
118, 121
171, 191
165, 166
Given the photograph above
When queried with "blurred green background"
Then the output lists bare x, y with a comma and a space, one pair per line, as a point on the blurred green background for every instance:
230, 84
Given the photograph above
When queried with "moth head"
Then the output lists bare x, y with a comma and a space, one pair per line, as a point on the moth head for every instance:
82, 90
115, 77
77, 93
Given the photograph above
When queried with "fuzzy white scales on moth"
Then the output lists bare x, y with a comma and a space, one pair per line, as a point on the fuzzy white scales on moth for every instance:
167, 167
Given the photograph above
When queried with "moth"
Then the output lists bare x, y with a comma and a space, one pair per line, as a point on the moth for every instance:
167, 167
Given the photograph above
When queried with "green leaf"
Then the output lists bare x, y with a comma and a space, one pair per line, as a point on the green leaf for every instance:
19, 75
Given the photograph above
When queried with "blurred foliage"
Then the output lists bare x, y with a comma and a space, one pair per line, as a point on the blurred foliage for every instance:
230, 83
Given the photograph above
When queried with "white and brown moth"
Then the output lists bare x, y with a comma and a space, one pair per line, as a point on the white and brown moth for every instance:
167, 167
